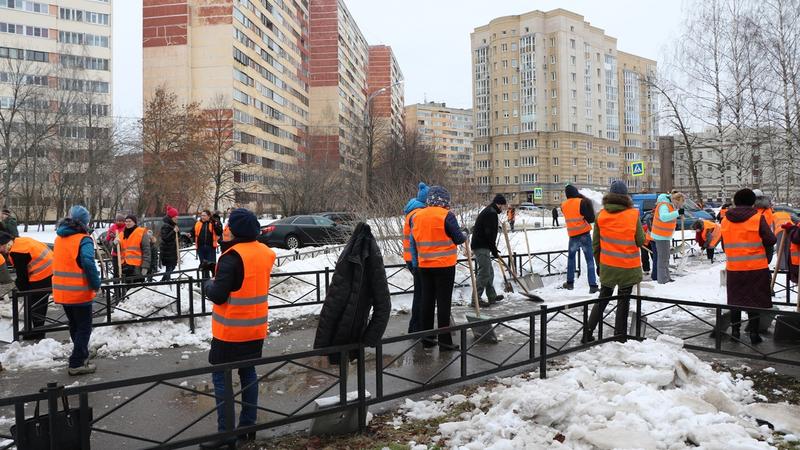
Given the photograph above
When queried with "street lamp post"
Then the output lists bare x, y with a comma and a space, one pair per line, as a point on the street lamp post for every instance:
366, 175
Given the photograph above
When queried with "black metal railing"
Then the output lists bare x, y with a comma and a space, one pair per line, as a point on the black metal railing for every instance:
183, 297
559, 330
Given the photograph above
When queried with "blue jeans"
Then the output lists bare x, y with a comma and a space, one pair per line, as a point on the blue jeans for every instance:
584, 243
247, 379
80, 330
415, 323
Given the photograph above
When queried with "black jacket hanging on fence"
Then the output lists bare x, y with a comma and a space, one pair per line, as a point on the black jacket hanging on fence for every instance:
358, 285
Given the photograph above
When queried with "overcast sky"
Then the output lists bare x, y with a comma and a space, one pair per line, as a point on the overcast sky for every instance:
430, 38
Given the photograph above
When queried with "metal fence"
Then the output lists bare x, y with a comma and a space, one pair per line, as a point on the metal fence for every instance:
530, 340
183, 298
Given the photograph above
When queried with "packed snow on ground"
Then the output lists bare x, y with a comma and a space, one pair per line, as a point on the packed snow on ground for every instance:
645, 395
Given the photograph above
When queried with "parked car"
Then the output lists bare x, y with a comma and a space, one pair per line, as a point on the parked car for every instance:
691, 216
526, 206
185, 223
340, 218
298, 231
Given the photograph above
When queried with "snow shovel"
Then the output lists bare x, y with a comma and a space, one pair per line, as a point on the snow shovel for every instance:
525, 292
531, 281
507, 287
510, 252
483, 330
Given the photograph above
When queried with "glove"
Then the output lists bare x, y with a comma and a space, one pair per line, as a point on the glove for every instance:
680, 212
143, 272
788, 226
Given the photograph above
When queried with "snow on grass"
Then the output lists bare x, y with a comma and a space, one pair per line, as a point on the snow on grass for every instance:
650, 394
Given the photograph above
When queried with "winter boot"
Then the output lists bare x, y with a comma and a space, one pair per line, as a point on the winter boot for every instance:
755, 338
568, 286
498, 298
587, 337
85, 369
594, 289
735, 334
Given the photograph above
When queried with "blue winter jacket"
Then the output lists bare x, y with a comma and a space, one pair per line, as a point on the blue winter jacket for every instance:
665, 215
86, 254
411, 206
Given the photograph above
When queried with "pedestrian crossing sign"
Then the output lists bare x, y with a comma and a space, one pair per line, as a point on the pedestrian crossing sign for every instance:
537, 194
637, 168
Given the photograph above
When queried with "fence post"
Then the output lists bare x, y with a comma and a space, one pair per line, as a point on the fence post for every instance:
15, 318
585, 321
191, 304
638, 318
343, 366
788, 284
319, 288
718, 329
327, 278
549, 271
379, 370
178, 297
108, 305
86, 424
52, 411
21, 439
463, 339
229, 408
26, 306
362, 389
543, 343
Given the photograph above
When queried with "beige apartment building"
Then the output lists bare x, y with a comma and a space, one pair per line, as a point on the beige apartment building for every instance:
449, 133
62, 52
252, 54
555, 102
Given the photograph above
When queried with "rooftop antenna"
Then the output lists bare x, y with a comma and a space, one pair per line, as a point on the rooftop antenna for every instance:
424, 97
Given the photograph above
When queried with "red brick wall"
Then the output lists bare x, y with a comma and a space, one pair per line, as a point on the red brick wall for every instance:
379, 75
323, 43
323, 148
213, 12
165, 22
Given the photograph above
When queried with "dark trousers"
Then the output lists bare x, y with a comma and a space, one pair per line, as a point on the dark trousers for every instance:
710, 254
437, 295
80, 330
555, 221
511, 225
752, 322
415, 323
645, 259
37, 303
208, 259
623, 306
167, 273
249, 384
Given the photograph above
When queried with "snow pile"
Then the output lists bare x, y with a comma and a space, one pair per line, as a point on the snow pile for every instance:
138, 339
594, 196
650, 394
40, 355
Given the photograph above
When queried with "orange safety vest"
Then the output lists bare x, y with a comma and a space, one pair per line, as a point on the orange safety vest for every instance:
2, 259
768, 214
780, 218
41, 263
663, 228
70, 285
243, 317
131, 247
795, 253
197, 226
743, 245
511, 214
618, 239
647, 238
434, 246
716, 233
576, 224
407, 236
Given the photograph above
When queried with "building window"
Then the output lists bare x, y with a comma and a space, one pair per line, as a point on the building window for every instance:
555, 161
555, 178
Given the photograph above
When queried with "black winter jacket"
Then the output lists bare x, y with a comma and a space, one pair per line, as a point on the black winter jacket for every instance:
358, 286
484, 233
169, 253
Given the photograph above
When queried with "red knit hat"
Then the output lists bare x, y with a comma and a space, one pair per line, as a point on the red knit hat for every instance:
172, 212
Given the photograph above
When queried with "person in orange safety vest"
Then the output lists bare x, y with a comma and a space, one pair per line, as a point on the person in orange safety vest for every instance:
745, 239
239, 291
707, 235
33, 262
134, 247
579, 215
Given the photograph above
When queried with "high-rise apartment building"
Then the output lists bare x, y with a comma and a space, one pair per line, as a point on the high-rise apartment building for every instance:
555, 102
344, 73
252, 54
384, 84
448, 132
55, 72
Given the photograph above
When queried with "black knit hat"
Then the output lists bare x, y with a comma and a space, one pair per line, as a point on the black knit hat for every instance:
744, 197
132, 217
571, 191
243, 224
499, 199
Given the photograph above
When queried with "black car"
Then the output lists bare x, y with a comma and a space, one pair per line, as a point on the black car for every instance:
340, 218
298, 231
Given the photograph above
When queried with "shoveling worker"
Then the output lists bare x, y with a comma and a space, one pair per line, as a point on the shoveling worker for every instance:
436, 236
618, 234
511, 215
33, 262
665, 219
75, 283
239, 291
483, 245
578, 215
206, 231
707, 235
746, 235
134, 245
411, 208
